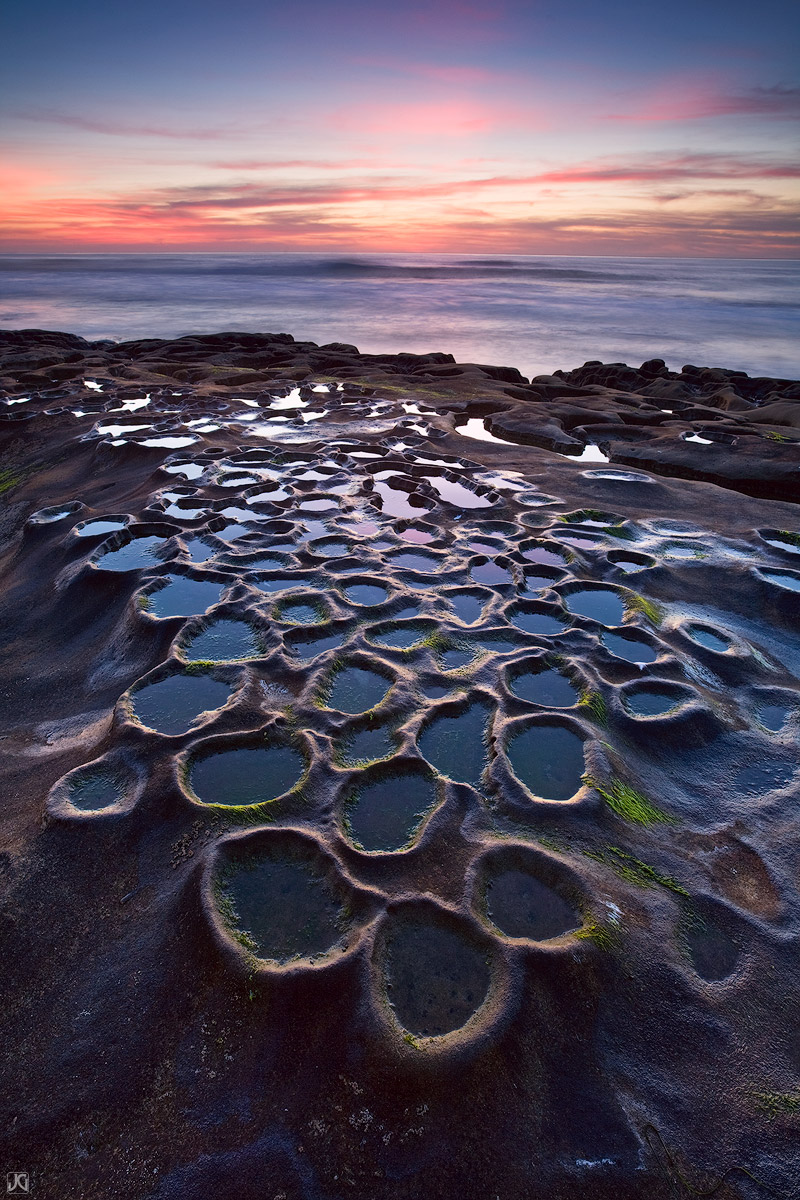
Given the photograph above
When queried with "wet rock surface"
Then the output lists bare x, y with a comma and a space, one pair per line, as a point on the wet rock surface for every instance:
391, 810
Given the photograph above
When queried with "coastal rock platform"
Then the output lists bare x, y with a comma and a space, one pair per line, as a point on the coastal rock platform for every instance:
400, 761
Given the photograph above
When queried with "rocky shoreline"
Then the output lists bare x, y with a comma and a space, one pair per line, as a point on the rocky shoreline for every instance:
400, 785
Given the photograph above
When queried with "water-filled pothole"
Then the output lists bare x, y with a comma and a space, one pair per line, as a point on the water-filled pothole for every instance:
783, 579
284, 904
544, 555
629, 647
329, 548
466, 605
547, 687
416, 560
708, 638
224, 641
457, 494
245, 774
356, 690
436, 973
298, 613
539, 622
366, 593
183, 597
456, 744
600, 604
630, 562
308, 646
135, 554
456, 657
95, 789
366, 746
653, 701
492, 573
200, 551
521, 906
387, 814
100, 526
548, 760
535, 583
396, 502
774, 716
173, 704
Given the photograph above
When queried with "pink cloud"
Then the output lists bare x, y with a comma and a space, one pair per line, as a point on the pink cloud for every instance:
415, 120
682, 102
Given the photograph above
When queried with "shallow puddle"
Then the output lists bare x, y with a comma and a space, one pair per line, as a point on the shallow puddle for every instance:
96, 528
456, 494
544, 556
420, 536
229, 533
416, 562
459, 656
789, 541
330, 549
173, 704
300, 614
652, 702
356, 690
598, 604
278, 585
491, 573
224, 641
705, 637
285, 907
94, 790
537, 623
534, 584
245, 775
135, 555
310, 647
475, 428
761, 778
200, 551
365, 593
773, 716
784, 579
401, 638
436, 976
632, 649
367, 746
521, 906
400, 504
187, 469
632, 564
456, 745
548, 760
466, 606
549, 688
386, 815
183, 597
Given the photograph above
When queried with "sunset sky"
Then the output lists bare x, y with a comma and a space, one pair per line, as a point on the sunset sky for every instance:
588, 127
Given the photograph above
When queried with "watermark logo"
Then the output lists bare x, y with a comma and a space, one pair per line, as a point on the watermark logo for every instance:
18, 1183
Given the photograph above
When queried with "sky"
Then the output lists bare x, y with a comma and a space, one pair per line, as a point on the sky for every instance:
448, 126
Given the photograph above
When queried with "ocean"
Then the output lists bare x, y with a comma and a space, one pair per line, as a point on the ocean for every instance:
536, 313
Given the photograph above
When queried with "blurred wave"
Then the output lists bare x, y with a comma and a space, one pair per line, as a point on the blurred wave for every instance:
537, 313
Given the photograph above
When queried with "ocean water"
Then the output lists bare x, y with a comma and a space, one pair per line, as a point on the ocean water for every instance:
536, 313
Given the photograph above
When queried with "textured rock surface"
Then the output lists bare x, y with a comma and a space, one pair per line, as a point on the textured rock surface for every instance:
500, 993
